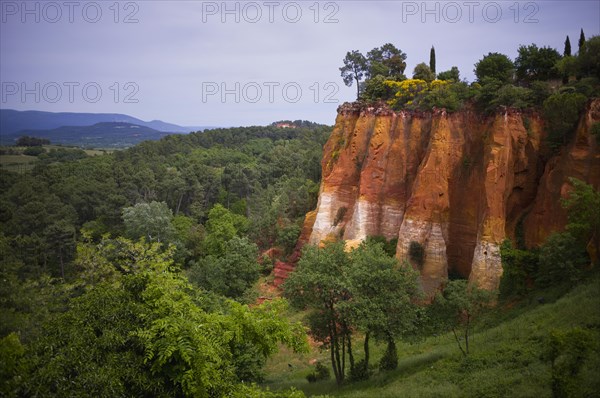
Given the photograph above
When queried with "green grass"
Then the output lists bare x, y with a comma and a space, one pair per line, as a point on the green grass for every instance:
89, 152
506, 359
19, 163
98, 152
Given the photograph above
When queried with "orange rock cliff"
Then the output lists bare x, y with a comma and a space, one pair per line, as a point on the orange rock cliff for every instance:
458, 184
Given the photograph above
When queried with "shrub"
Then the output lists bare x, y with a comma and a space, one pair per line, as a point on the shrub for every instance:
486, 93
288, 236
539, 92
451, 75
441, 95
63, 155
376, 89
416, 253
266, 265
34, 151
561, 113
419, 94
407, 93
321, 372
454, 275
11, 353
561, 260
389, 246
359, 371
389, 361
512, 96
423, 72
567, 351
518, 266
588, 86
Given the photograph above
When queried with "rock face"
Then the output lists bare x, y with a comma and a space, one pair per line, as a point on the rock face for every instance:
457, 184
581, 159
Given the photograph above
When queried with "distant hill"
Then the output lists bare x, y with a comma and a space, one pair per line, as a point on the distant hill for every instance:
12, 121
99, 135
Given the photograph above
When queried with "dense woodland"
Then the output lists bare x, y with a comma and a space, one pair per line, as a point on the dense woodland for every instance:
112, 262
135, 273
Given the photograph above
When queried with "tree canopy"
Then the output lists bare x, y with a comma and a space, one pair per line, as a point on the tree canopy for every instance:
364, 289
354, 69
423, 72
456, 308
148, 332
387, 61
152, 221
495, 66
535, 63
452, 75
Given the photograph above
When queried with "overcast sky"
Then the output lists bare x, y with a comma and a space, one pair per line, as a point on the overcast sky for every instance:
247, 63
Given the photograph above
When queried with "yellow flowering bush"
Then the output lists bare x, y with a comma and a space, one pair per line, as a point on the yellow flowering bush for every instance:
409, 93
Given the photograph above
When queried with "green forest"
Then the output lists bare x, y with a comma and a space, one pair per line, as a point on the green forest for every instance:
139, 272
131, 273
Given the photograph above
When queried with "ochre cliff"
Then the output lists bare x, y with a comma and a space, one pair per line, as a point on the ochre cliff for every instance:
581, 159
458, 184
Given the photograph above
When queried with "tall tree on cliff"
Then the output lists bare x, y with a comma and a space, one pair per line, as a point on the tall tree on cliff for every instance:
588, 59
566, 58
567, 52
432, 59
355, 66
387, 61
581, 40
496, 66
534, 63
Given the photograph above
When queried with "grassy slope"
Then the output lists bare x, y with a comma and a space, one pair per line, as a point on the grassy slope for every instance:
21, 163
17, 163
505, 357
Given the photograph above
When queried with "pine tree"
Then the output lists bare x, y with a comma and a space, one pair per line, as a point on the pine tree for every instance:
432, 59
567, 52
581, 40
355, 67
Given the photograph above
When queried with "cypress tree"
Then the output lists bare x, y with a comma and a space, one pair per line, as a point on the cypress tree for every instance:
432, 59
567, 52
581, 40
